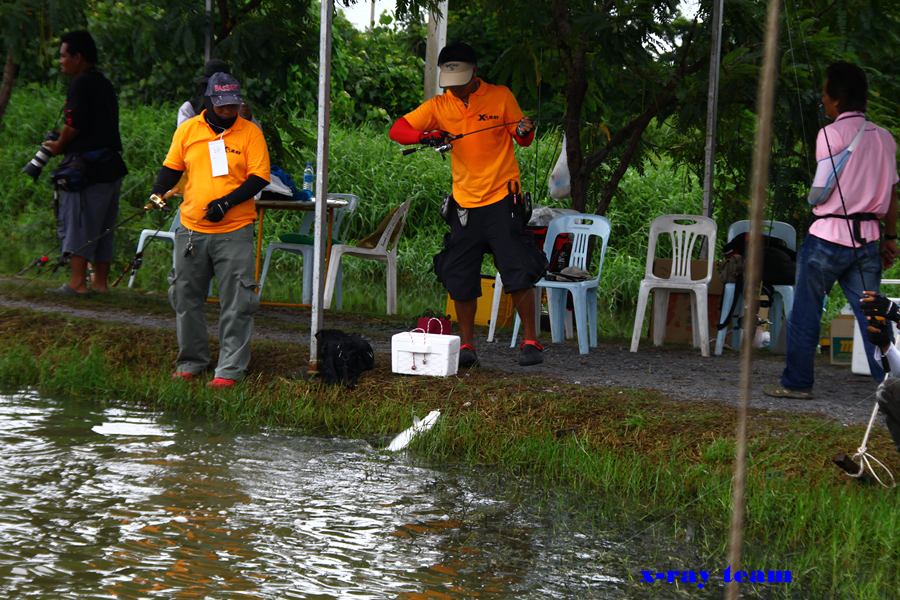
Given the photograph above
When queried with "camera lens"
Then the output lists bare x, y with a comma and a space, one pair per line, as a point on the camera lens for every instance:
37, 163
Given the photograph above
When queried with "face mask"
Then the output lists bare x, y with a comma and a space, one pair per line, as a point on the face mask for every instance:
218, 123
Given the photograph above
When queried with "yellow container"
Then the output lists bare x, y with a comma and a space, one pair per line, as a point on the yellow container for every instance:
505, 314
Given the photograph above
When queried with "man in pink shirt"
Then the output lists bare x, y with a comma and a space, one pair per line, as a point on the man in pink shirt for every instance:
844, 243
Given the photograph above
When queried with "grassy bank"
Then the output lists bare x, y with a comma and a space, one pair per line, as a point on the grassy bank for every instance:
632, 448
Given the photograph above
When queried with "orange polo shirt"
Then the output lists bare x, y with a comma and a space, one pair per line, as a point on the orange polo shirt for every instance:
483, 163
245, 148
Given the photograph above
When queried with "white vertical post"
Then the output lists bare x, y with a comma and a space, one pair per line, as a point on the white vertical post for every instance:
712, 104
207, 45
437, 39
372, 16
324, 126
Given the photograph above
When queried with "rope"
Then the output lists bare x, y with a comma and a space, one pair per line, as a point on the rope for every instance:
862, 456
865, 459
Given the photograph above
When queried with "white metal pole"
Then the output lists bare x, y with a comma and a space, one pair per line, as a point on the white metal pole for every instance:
324, 126
437, 39
207, 46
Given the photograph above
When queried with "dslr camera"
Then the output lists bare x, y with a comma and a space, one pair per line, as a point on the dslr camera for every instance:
34, 166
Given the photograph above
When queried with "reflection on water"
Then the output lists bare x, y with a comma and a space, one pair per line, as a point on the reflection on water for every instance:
110, 502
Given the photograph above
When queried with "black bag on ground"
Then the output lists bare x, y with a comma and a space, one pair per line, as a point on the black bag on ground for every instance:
343, 357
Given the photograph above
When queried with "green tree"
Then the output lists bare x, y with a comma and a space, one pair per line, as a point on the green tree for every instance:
609, 69
27, 29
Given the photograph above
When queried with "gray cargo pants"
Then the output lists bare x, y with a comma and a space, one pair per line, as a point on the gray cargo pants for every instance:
228, 256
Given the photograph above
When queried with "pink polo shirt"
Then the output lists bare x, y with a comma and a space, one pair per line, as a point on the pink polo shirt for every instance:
865, 181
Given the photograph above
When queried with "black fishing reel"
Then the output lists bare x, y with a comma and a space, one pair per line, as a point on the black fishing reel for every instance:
442, 147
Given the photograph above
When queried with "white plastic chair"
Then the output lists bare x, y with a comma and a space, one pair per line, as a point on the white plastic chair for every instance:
538, 218
384, 250
148, 234
584, 293
783, 297
684, 232
305, 250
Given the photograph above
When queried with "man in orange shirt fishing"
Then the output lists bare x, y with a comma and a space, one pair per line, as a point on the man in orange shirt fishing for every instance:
486, 211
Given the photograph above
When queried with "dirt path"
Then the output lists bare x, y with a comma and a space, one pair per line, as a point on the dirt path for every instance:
678, 371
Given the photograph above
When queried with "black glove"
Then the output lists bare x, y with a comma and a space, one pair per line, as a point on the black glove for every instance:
877, 305
215, 210
434, 138
880, 332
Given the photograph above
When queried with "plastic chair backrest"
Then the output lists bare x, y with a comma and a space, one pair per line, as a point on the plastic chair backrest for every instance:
777, 229
176, 220
390, 237
684, 232
306, 225
582, 226
340, 214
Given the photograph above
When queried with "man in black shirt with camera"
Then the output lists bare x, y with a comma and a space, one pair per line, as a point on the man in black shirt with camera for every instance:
89, 194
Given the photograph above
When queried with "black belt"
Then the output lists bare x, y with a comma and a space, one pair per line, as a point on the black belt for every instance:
857, 218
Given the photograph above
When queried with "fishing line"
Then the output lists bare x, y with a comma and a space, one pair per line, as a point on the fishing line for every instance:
536, 139
788, 21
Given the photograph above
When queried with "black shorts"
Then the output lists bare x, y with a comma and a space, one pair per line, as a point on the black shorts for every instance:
499, 229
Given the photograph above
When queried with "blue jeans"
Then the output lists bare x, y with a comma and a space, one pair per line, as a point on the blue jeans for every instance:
819, 265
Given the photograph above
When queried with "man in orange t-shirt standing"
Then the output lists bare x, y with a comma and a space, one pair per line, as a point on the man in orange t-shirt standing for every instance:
227, 163
486, 212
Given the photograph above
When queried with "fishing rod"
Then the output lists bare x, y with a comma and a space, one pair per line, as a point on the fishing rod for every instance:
155, 202
444, 145
43, 259
138, 259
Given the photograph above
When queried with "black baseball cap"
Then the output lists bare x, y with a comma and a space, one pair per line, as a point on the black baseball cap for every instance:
223, 89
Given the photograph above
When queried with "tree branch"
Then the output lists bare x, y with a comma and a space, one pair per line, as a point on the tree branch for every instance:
624, 163
9, 77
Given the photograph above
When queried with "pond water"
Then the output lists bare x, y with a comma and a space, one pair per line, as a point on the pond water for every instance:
109, 502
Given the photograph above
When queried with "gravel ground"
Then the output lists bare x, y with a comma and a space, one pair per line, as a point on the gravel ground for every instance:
678, 371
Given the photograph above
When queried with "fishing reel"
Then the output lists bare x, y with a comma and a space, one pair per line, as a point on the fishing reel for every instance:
440, 146
155, 202
443, 149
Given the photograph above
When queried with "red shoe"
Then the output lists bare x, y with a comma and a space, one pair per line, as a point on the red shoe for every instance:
221, 382
183, 375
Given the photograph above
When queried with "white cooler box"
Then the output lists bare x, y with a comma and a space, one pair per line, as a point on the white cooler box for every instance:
417, 353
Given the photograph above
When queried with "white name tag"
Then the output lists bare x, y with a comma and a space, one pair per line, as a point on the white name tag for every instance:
217, 158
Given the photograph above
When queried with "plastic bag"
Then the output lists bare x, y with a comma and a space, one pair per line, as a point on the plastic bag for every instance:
560, 185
